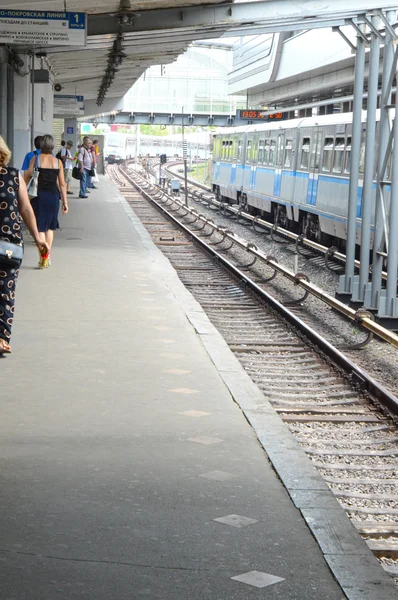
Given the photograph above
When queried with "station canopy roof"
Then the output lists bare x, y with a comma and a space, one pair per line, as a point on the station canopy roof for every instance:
155, 32
81, 70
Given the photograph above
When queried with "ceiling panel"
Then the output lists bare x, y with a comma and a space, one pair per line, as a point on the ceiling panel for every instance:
100, 6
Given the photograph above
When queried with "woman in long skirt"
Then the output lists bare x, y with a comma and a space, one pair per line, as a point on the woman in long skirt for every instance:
14, 207
51, 184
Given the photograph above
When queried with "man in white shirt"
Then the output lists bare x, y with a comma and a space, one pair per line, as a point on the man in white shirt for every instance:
66, 157
85, 162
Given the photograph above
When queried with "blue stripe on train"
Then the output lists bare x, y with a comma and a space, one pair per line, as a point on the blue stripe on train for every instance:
277, 184
253, 179
233, 175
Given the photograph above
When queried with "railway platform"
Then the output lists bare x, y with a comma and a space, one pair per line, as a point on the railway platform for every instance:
127, 466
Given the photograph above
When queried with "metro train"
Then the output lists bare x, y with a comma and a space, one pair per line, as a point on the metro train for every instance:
294, 173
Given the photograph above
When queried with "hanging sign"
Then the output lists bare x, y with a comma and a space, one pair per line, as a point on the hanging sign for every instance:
258, 115
68, 105
42, 28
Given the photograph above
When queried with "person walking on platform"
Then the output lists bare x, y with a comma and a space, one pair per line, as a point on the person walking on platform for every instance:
14, 207
30, 155
67, 161
63, 144
93, 153
85, 165
51, 181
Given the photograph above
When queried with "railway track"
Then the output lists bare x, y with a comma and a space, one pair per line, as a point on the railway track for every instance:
343, 419
329, 257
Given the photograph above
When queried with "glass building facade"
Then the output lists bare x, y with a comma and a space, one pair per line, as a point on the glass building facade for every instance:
197, 80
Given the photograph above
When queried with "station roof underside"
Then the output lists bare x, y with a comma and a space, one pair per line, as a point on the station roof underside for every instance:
161, 30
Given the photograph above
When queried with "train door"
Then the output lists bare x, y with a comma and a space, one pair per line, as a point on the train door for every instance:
216, 158
234, 159
254, 160
314, 164
280, 145
249, 177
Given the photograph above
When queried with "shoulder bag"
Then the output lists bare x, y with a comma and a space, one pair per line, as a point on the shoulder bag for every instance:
76, 173
11, 253
33, 183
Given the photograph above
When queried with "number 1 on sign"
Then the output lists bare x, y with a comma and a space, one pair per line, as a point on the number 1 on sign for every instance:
77, 18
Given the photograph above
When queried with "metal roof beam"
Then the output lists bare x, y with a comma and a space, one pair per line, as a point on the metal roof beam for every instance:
276, 15
154, 118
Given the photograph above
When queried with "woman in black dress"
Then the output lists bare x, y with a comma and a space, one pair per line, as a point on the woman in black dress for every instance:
14, 206
51, 184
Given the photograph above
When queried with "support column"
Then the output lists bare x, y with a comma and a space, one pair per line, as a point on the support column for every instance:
360, 285
10, 109
21, 115
345, 285
384, 131
137, 141
391, 308
3, 100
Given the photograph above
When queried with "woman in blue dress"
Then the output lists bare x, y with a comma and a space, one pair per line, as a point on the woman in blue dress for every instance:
14, 206
51, 186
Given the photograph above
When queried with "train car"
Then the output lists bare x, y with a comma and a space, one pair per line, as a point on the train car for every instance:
115, 147
294, 173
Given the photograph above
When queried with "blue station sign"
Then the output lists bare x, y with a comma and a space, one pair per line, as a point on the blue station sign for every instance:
43, 28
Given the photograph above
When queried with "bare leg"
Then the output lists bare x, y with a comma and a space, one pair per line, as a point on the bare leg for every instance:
49, 238
42, 236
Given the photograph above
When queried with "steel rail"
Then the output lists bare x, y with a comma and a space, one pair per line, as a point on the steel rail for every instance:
356, 374
360, 316
295, 237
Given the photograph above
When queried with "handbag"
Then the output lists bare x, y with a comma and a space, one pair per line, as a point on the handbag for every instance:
11, 253
76, 173
95, 177
33, 184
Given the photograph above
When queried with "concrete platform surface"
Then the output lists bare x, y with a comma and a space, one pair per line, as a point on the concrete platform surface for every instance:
126, 468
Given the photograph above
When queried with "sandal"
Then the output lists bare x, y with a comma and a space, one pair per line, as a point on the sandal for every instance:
4, 347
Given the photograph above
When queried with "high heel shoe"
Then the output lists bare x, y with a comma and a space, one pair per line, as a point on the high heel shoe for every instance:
5, 348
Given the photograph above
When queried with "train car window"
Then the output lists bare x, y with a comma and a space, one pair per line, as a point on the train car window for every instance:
316, 151
249, 151
280, 149
327, 154
219, 142
347, 162
288, 153
228, 150
338, 155
305, 153
233, 150
255, 151
261, 144
215, 148
266, 152
239, 150
223, 149
272, 149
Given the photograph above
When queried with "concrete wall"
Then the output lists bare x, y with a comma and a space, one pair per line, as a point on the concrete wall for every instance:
44, 109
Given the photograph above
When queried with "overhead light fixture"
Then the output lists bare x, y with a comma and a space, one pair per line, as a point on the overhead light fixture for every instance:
115, 58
